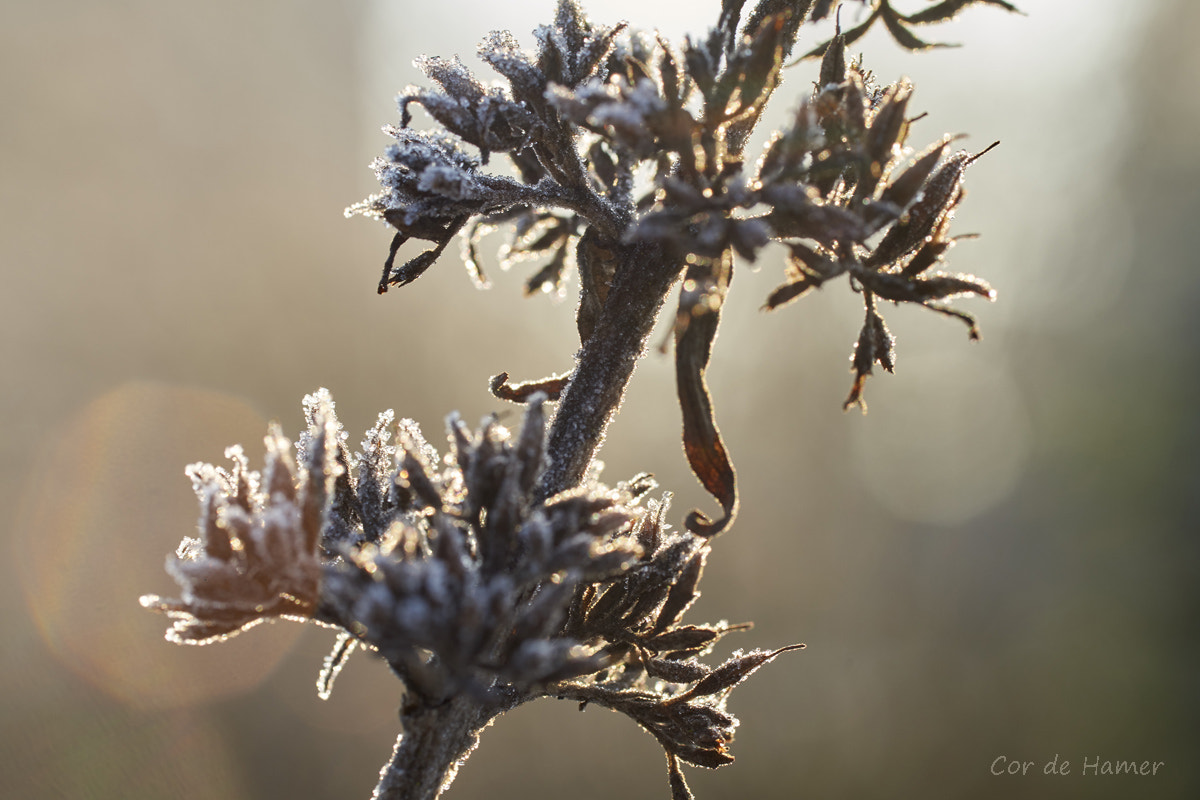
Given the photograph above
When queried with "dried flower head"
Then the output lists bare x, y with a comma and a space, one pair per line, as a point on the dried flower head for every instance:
847, 143
257, 557
460, 577
596, 105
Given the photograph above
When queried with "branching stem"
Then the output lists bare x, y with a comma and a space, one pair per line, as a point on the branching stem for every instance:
644, 276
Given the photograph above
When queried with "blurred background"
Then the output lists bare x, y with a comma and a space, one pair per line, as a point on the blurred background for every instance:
996, 562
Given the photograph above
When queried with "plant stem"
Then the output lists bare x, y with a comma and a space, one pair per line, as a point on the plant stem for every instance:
435, 742
643, 277
438, 739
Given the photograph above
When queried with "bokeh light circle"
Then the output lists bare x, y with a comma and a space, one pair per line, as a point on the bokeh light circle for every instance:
106, 502
949, 442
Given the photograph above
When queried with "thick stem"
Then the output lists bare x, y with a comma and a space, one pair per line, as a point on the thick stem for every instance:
435, 742
643, 277
437, 739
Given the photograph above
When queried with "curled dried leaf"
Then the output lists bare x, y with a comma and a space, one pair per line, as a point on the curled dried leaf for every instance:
693, 346
521, 392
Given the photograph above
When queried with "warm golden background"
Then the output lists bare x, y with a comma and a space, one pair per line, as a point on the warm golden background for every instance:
999, 560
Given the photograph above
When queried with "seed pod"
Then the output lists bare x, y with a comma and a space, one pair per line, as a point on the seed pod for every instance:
649, 596
687, 638
682, 593
676, 671
668, 71
833, 62
939, 196
699, 68
611, 601
884, 135
733, 671
902, 189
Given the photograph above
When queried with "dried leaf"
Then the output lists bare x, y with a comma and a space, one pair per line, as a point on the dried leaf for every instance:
550, 278
939, 286
609, 605
967, 319
470, 253
764, 58
700, 67
793, 14
849, 37
940, 193
887, 126
603, 165
521, 392
650, 594
797, 214
929, 254
821, 10
949, 8
903, 36
790, 291
415, 267
668, 71
701, 440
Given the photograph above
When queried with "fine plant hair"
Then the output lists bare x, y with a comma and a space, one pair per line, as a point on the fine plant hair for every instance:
503, 570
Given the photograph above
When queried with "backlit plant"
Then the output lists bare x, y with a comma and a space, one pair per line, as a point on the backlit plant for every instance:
505, 571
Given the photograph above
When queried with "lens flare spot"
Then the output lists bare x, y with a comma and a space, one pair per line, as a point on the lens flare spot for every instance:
107, 501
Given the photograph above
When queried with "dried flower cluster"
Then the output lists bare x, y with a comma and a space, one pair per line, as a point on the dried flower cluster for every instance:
596, 104
460, 578
466, 565
504, 571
